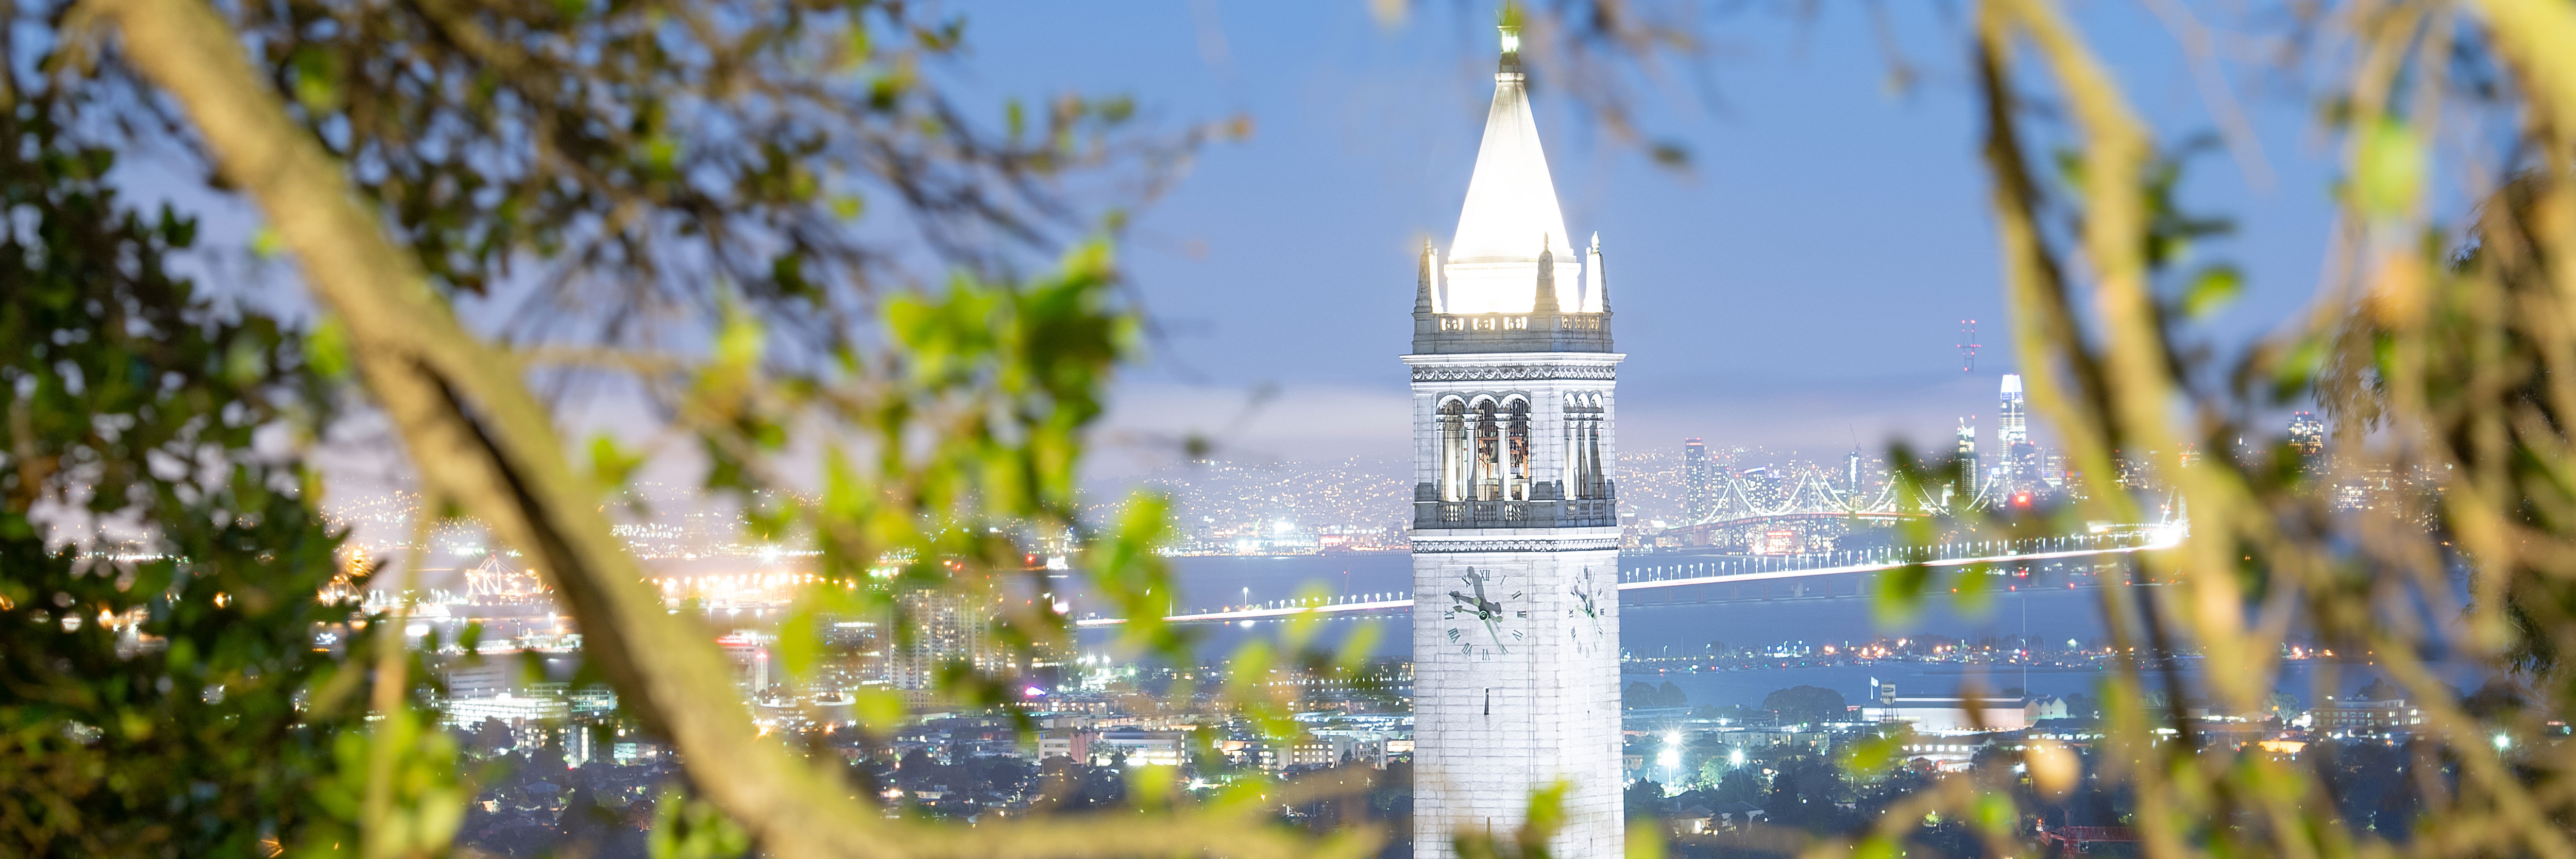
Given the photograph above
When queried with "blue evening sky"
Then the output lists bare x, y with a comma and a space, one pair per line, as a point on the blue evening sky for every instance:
1801, 286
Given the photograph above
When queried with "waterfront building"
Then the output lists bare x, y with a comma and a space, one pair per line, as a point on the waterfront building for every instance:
1944, 715
2377, 710
1515, 527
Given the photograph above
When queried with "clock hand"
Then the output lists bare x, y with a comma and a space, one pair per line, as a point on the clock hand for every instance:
1482, 607
1497, 633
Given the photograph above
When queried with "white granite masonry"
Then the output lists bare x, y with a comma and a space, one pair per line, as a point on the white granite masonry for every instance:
1516, 532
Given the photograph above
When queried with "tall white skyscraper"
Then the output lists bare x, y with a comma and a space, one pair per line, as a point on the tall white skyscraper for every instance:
2020, 469
1516, 528
2012, 426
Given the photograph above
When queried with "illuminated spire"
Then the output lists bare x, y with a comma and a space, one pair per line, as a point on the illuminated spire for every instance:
1596, 293
1422, 288
1511, 199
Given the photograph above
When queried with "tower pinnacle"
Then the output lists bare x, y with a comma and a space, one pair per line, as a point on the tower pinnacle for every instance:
1510, 196
1545, 302
1422, 283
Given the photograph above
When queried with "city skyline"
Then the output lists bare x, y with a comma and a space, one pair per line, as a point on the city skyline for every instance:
1358, 148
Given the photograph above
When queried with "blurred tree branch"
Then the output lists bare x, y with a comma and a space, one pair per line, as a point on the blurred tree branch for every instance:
478, 435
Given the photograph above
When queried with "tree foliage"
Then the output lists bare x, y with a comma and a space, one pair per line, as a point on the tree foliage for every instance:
614, 160
712, 157
162, 692
1807, 705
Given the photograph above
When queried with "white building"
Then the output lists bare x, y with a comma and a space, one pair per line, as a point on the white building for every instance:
1160, 748
1949, 715
1515, 532
513, 709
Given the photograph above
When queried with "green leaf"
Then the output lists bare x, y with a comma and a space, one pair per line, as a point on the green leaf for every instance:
2214, 287
738, 343
317, 79
1900, 592
1546, 815
326, 348
2294, 370
800, 642
265, 243
688, 828
1645, 839
848, 207
879, 711
858, 40
1878, 846
2389, 168
662, 153
1976, 589
1151, 787
1993, 814
1869, 759
610, 464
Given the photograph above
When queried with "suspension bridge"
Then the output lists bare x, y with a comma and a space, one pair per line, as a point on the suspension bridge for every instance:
1811, 510
1657, 582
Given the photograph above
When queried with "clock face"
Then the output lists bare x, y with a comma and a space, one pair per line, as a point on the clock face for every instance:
1485, 614
1583, 613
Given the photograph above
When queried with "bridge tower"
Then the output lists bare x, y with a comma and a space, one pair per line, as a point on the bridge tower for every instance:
1515, 529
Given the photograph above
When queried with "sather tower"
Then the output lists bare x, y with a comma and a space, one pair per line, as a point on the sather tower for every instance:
1515, 524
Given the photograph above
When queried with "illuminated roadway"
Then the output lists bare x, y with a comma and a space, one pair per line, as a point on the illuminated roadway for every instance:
2159, 538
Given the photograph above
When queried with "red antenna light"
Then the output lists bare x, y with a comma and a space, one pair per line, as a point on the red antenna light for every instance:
1968, 345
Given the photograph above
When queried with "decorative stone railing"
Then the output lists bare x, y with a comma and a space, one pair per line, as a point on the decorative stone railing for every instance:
1577, 513
1511, 332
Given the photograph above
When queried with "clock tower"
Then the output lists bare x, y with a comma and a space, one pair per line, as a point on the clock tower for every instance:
1515, 514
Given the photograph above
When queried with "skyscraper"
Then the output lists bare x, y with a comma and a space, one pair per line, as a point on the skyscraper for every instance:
2307, 433
2308, 438
2012, 425
1516, 529
2021, 464
940, 627
1699, 482
1969, 467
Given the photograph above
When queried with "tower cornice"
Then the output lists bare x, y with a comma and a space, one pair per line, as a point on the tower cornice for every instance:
1515, 367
